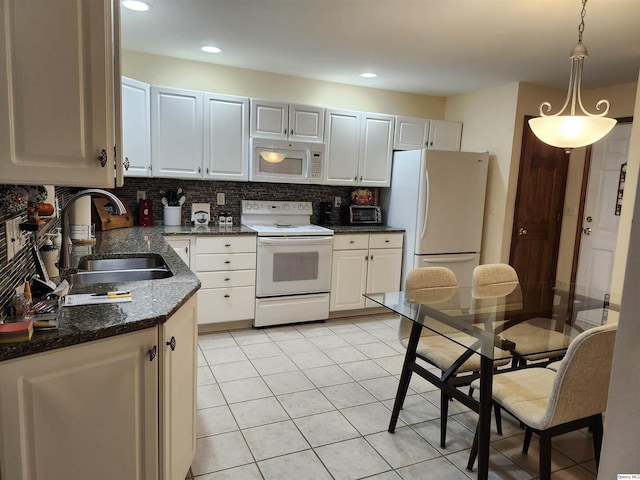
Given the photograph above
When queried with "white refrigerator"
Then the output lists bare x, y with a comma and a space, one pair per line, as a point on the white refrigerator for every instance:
437, 197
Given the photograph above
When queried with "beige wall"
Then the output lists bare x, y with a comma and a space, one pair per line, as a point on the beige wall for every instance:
173, 72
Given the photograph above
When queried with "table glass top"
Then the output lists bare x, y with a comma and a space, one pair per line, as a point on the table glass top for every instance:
501, 320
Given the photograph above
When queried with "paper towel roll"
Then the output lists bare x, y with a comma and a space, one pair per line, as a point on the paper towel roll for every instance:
80, 219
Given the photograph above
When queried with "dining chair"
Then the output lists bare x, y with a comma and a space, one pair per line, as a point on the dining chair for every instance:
535, 339
552, 403
438, 285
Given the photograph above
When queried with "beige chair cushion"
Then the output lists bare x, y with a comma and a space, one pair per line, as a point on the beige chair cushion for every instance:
536, 337
430, 277
554, 366
494, 274
525, 393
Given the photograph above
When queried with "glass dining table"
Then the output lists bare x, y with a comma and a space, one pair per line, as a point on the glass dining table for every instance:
497, 322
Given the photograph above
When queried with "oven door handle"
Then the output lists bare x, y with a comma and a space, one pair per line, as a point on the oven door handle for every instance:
295, 241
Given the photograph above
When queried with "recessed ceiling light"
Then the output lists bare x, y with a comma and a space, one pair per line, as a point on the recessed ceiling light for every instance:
137, 5
369, 75
210, 49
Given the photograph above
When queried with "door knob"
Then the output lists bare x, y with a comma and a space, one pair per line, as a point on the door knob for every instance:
522, 231
586, 231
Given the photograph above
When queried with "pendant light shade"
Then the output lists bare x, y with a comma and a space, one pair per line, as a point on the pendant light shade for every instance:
573, 130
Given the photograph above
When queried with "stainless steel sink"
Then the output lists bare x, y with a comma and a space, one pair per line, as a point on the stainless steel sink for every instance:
121, 263
129, 268
115, 276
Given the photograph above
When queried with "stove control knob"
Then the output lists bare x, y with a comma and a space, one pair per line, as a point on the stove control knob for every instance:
255, 206
285, 206
307, 206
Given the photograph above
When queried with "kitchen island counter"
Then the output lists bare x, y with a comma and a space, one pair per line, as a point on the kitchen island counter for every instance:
153, 301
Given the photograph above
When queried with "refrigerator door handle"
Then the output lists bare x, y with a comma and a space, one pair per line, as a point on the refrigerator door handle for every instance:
451, 259
425, 202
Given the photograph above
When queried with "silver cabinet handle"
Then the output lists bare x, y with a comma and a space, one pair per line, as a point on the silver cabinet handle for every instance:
152, 353
172, 343
227, 295
126, 163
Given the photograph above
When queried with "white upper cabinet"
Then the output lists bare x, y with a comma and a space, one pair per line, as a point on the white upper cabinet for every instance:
136, 128
199, 135
226, 137
444, 135
281, 121
358, 148
410, 133
342, 147
376, 150
59, 92
176, 133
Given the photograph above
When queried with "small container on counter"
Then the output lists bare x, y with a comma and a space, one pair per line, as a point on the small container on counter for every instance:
222, 219
229, 219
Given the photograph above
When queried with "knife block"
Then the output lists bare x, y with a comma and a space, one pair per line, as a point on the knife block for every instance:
104, 218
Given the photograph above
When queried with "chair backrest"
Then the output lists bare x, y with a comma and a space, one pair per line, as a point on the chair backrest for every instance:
429, 284
494, 274
495, 288
581, 386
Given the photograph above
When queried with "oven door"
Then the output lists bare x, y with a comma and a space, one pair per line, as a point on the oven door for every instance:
293, 265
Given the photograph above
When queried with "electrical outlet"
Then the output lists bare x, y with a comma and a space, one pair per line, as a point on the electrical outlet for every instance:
337, 201
16, 239
141, 195
220, 200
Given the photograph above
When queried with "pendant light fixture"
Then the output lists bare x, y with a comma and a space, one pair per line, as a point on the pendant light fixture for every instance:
573, 129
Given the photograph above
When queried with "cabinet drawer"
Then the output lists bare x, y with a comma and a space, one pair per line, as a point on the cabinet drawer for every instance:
226, 244
236, 278
219, 261
350, 242
385, 240
216, 305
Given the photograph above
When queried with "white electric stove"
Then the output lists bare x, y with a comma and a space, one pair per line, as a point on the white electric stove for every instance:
293, 265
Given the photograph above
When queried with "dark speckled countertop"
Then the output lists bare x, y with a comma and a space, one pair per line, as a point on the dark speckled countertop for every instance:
154, 301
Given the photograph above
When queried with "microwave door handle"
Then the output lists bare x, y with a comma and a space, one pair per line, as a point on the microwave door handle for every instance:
296, 241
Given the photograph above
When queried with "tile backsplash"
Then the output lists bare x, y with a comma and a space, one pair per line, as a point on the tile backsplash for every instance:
205, 191
13, 272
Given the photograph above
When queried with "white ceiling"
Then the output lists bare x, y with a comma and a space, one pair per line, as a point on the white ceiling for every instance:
433, 47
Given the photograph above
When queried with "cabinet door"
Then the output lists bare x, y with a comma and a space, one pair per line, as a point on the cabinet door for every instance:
445, 135
136, 127
179, 343
376, 150
348, 279
182, 246
269, 119
410, 133
176, 133
226, 137
342, 147
57, 92
86, 411
306, 123
383, 273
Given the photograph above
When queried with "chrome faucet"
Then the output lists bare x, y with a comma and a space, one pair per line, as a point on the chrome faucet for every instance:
65, 248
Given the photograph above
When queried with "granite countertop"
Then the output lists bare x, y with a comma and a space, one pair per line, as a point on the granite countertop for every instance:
154, 301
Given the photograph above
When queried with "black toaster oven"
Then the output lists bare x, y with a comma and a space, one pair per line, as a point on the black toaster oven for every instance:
360, 214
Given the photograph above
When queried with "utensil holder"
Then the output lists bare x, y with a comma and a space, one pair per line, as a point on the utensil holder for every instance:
172, 215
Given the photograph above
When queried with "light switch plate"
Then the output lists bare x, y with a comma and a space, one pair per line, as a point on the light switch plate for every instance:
220, 200
337, 201
16, 239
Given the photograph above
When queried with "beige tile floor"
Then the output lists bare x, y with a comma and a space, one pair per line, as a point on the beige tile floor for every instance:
313, 402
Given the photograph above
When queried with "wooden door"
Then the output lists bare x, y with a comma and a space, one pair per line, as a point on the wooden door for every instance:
538, 217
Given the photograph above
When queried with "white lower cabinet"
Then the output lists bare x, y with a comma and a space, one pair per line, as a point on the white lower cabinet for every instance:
226, 266
92, 410
182, 246
364, 263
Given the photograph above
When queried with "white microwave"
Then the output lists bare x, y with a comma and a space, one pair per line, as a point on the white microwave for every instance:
281, 161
